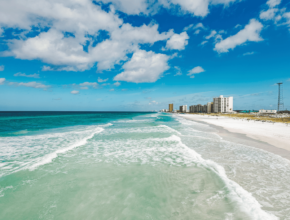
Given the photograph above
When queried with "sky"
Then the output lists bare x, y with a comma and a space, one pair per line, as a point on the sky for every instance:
141, 55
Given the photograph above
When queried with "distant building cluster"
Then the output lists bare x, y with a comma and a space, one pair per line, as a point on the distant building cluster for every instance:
219, 105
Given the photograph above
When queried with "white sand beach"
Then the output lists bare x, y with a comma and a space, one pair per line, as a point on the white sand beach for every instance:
273, 137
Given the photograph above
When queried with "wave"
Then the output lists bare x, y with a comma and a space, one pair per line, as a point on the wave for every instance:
154, 151
48, 158
247, 203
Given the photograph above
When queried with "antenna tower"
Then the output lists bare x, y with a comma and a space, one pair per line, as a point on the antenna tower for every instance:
280, 96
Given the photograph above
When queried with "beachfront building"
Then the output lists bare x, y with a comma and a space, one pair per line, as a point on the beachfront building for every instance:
198, 108
170, 107
209, 107
223, 104
183, 108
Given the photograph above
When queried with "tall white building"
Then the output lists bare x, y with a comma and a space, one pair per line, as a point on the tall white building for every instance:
223, 104
183, 108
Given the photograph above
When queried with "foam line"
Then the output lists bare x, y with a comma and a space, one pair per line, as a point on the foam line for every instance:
48, 158
247, 203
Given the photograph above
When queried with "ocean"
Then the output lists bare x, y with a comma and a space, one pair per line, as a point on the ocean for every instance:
117, 165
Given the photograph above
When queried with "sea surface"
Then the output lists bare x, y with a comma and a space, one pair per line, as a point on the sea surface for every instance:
110, 166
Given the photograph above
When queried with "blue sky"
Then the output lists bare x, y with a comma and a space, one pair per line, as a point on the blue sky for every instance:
142, 55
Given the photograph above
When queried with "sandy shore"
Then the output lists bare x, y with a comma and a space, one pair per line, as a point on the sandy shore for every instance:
274, 138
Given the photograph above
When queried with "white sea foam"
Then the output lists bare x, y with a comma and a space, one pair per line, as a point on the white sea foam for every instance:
48, 158
172, 151
133, 121
247, 203
106, 125
143, 130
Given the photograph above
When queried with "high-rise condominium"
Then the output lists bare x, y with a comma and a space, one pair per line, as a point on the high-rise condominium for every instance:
223, 104
171, 107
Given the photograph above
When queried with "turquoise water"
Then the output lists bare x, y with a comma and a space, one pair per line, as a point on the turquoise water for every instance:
133, 166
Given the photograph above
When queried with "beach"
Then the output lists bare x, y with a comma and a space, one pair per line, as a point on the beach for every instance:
124, 165
273, 137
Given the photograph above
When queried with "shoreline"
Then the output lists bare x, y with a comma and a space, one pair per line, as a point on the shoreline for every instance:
237, 131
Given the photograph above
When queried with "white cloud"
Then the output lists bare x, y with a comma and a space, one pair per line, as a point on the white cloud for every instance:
238, 26
248, 53
178, 41
35, 85
129, 6
88, 84
197, 31
102, 80
144, 67
74, 92
81, 18
251, 32
2, 68
195, 70
269, 14
84, 87
117, 84
212, 34
25, 75
47, 68
193, 27
273, 3
112, 90
178, 73
2, 80
286, 15
204, 42
196, 7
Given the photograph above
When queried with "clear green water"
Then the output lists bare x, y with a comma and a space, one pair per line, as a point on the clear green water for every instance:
133, 166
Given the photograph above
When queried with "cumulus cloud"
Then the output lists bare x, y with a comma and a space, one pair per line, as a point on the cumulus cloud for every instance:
2, 68
177, 41
25, 75
2, 80
251, 32
144, 67
89, 84
112, 90
35, 85
197, 31
194, 27
117, 84
195, 7
84, 20
269, 14
102, 80
273, 3
195, 70
212, 34
47, 68
74, 92
130, 7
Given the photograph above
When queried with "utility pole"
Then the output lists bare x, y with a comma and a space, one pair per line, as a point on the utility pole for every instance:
280, 96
